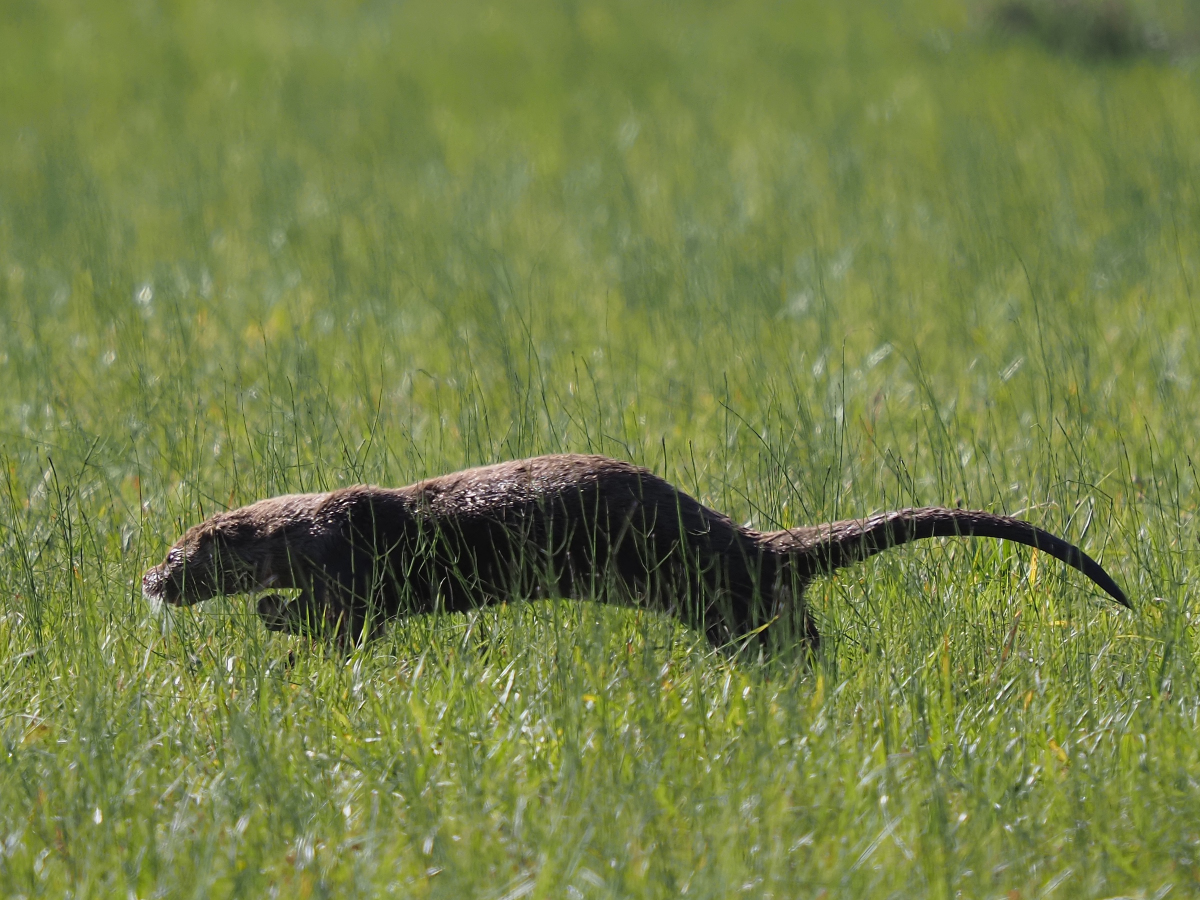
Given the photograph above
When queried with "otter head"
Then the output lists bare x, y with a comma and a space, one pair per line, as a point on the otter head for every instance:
219, 556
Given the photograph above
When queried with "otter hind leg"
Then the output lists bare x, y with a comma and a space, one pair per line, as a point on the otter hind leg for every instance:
793, 614
789, 621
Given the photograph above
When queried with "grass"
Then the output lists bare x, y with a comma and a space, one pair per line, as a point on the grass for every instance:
807, 260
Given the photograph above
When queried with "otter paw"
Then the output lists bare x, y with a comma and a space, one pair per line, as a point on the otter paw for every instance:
279, 614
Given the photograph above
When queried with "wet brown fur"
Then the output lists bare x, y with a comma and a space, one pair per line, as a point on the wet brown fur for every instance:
566, 525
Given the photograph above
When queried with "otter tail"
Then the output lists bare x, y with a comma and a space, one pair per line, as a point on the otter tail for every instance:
838, 544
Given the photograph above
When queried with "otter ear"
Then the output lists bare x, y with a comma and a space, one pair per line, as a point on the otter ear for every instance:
239, 529
227, 537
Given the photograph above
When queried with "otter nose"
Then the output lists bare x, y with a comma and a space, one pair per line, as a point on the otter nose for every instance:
153, 583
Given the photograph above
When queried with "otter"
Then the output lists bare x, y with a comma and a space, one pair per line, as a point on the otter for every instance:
552, 526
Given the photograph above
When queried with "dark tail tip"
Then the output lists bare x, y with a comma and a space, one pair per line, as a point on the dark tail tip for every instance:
1101, 578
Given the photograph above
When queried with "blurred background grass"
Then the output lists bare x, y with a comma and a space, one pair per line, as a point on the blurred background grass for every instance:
805, 259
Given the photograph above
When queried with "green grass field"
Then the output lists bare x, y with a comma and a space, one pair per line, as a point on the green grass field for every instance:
807, 260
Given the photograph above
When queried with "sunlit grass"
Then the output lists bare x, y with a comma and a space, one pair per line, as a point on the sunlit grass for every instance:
804, 260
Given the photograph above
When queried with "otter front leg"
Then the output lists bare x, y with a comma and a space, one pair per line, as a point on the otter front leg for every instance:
316, 613
300, 616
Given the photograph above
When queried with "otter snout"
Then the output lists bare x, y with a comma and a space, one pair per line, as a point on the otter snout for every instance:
159, 587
